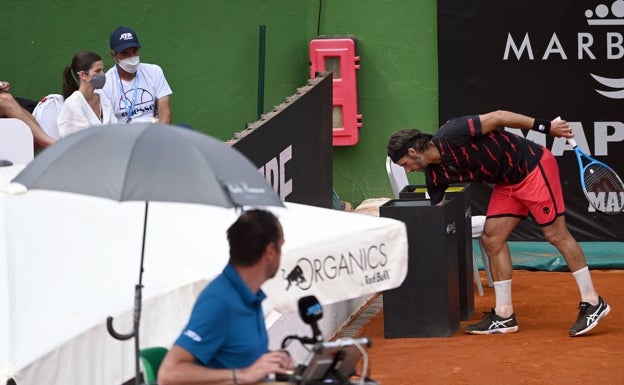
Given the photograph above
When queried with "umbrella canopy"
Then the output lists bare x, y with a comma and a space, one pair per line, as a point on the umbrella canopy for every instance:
149, 162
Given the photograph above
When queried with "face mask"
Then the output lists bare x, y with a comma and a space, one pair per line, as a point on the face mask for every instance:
130, 64
98, 81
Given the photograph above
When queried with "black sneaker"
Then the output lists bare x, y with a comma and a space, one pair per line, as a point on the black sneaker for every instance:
588, 317
493, 324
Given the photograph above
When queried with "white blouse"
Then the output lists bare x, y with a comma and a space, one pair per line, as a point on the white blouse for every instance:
76, 114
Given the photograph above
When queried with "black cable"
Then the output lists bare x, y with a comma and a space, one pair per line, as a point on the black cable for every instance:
302, 340
318, 23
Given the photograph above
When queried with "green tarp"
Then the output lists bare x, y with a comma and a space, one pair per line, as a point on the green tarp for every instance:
544, 256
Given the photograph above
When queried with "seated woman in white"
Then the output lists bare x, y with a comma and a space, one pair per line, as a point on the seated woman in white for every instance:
85, 105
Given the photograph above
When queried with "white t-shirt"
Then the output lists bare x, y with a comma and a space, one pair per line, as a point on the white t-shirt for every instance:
150, 87
76, 114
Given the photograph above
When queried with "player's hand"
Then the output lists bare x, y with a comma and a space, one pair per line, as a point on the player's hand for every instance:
4, 86
560, 128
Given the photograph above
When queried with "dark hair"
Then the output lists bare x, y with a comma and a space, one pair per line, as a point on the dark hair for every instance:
249, 236
402, 140
82, 61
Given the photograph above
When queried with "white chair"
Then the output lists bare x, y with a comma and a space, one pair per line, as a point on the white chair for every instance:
478, 221
397, 176
46, 112
16, 141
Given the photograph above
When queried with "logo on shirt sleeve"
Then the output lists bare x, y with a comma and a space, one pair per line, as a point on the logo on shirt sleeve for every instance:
192, 335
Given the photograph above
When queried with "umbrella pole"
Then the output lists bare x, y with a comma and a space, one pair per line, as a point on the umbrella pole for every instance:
137, 310
138, 302
137, 316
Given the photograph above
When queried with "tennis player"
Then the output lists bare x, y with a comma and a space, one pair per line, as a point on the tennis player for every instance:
526, 177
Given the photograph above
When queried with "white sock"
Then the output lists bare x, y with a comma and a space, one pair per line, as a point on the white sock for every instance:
502, 289
586, 286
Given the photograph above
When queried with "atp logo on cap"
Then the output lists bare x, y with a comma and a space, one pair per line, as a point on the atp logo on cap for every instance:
126, 36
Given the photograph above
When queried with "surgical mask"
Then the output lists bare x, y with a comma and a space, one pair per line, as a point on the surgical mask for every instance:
130, 64
98, 81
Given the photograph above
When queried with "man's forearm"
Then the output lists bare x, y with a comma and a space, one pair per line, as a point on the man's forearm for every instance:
497, 119
187, 373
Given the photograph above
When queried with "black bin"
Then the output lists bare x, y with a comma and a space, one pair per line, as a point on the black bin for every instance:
460, 193
427, 303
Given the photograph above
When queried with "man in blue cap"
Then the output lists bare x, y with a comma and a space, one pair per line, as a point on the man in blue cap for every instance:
138, 91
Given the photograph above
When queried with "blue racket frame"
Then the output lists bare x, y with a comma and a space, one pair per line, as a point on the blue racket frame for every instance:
580, 154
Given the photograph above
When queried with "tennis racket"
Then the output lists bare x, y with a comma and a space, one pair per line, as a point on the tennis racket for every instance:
602, 187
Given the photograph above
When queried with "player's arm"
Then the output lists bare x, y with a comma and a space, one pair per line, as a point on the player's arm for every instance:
498, 119
437, 194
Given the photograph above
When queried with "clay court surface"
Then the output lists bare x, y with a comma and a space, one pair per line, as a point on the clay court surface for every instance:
546, 305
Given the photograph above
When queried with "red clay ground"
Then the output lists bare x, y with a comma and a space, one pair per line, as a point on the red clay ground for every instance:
546, 305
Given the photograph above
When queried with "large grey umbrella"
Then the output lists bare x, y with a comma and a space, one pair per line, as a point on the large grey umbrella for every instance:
148, 162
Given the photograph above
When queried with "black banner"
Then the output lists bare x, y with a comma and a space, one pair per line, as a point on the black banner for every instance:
544, 59
292, 145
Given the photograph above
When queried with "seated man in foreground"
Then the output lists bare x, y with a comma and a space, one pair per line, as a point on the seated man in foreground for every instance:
226, 341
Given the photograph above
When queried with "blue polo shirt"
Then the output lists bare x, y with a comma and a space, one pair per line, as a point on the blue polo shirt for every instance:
226, 328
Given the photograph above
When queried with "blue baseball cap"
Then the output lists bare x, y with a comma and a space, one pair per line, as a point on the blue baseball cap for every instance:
122, 38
